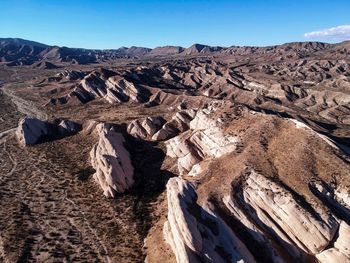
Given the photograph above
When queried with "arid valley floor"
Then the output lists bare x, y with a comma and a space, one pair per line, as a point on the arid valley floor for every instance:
175, 155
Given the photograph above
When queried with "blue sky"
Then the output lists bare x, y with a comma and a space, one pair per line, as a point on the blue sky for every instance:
112, 24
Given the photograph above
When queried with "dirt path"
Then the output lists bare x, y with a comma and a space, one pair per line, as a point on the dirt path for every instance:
27, 108
5, 134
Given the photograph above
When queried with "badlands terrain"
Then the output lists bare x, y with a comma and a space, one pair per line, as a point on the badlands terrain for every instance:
175, 155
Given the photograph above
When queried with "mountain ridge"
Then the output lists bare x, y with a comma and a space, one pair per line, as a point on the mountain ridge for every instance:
17, 51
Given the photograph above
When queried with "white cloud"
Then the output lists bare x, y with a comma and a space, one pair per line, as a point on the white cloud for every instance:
334, 33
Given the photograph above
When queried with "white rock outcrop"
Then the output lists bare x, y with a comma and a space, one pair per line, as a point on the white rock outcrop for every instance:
205, 139
191, 240
182, 119
338, 199
145, 128
180, 122
252, 230
167, 131
194, 146
110, 159
340, 252
121, 90
94, 85
181, 230
203, 121
31, 130
343, 196
277, 211
114, 89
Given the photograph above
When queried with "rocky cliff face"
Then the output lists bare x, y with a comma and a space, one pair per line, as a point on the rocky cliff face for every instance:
196, 234
32, 131
204, 140
146, 128
339, 252
277, 211
114, 89
158, 129
110, 159
265, 208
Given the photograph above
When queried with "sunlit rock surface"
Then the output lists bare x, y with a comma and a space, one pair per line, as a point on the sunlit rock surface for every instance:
110, 159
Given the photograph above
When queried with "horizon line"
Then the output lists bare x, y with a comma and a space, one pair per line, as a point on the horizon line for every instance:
167, 45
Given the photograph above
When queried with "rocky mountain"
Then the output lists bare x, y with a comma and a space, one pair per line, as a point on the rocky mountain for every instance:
19, 51
198, 48
24, 52
134, 51
166, 51
175, 155
16, 52
64, 54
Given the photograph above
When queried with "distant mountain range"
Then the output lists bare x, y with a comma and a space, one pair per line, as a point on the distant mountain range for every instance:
16, 51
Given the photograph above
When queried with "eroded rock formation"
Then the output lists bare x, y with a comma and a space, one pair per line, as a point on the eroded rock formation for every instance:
145, 128
180, 122
111, 160
205, 139
196, 234
31, 130
340, 251
277, 211
266, 210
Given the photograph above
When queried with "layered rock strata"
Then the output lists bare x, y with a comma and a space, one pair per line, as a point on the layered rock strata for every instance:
111, 160
196, 234
206, 139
